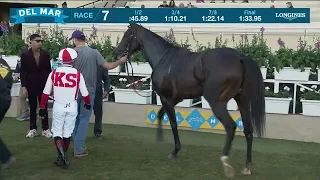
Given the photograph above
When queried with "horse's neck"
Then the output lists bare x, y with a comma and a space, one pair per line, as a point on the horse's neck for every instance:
154, 49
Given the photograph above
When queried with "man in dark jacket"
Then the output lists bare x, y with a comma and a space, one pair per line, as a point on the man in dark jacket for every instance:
6, 81
102, 75
35, 69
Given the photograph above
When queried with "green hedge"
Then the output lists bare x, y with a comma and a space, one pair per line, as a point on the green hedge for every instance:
257, 48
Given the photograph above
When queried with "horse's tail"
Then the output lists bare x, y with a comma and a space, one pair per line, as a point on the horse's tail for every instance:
254, 87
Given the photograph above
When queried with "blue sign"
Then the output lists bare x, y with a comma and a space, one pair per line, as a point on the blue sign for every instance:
179, 118
239, 123
159, 15
195, 120
213, 121
54, 14
153, 116
165, 118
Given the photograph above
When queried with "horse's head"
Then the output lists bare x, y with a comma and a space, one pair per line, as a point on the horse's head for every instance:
129, 43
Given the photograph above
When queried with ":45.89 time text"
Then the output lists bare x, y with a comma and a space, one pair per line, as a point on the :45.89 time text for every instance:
138, 18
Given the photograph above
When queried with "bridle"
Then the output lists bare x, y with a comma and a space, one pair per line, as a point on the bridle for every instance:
126, 53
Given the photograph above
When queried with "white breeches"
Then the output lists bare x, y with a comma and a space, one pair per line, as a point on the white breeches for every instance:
64, 119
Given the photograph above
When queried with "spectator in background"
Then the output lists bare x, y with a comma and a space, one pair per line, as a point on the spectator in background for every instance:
245, 1
101, 93
4, 28
163, 5
172, 4
181, 5
233, 1
113, 6
127, 7
55, 6
272, 4
199, 1
143, 6
64, 5
189, 5
289, 5
212, 1
25, 114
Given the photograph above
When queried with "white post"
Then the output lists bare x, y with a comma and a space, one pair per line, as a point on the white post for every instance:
276, 87
294, 98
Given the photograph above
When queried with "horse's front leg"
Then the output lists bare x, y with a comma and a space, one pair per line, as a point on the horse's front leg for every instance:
159, 129
173, 122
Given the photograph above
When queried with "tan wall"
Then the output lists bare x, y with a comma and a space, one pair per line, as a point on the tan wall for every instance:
290, 127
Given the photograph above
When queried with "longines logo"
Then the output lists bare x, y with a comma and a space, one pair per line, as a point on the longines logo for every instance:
290, 16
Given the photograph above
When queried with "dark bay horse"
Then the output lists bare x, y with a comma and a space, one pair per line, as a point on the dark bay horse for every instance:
216, 74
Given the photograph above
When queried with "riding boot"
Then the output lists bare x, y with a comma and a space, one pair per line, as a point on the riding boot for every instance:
60, 146
59, 160
66, 142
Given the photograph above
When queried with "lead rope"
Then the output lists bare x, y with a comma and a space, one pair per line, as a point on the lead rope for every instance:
132, 83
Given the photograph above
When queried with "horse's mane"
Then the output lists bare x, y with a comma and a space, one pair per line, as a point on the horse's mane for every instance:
166, 43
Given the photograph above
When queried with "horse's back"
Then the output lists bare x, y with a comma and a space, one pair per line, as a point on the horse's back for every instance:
222, 62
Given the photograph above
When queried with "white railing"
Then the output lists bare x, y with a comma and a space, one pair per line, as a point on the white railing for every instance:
295, 85
275, 82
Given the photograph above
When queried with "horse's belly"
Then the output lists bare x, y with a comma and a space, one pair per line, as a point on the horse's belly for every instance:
188, 89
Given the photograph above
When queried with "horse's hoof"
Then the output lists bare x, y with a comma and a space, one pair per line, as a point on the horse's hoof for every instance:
159, 140
246, 171
172, 156
228, 169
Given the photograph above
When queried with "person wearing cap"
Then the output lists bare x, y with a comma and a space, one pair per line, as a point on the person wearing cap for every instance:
65, 82
87, 63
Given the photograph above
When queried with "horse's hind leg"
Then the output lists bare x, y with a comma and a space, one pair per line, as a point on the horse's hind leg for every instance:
221, 112
230, 126
243, 105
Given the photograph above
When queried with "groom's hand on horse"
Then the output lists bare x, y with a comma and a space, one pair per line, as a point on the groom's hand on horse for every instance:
123, 59
87, 106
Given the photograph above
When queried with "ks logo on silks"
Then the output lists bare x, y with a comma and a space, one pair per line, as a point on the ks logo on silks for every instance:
35, 13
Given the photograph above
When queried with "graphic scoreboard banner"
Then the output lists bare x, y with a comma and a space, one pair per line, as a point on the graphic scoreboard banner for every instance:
159, 15
193, 119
